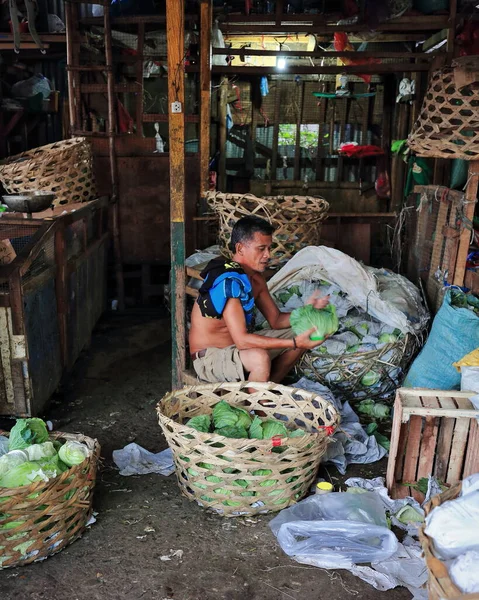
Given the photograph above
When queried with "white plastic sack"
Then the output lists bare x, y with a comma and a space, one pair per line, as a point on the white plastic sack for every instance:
464, 572
470, 379
453, 526
335, 530
470, 484
388, 297
135, 460
3, 445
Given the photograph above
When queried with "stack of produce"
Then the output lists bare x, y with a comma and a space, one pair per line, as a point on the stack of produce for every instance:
46, 485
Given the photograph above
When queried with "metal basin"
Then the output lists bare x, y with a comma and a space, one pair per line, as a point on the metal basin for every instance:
29, 203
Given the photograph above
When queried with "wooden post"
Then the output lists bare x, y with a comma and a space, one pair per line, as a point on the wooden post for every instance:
120, 284
206, 10
222, 134
465, 239
175, 40
139, 79
70, 74
277, 106
61, 290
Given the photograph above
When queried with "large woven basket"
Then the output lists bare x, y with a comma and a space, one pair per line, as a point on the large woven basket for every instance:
64, 168
447, 126
344, 373
50, 515
297, 220
440, 585
208, 466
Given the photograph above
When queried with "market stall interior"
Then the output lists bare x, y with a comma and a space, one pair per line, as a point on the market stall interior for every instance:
239, 299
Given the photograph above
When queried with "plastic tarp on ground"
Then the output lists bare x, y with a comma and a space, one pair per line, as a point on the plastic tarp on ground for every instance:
384, 295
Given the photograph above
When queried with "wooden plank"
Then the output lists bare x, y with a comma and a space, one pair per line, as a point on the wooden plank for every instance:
277, 106
139, 79
444, 440
428, 447
412, 449
394, 445
456, 459
400, 454
222, 133
442, 412
436, 255
375, 69
206, 10
322, 53
471, 199
471, 462
299, 117
175, 40
61, 289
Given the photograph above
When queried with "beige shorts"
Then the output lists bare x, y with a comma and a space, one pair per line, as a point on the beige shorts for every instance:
224, 364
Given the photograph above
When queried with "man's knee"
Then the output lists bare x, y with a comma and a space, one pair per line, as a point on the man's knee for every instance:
256, 359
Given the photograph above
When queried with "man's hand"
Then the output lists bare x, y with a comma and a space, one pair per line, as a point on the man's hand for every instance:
304, 343
317, 300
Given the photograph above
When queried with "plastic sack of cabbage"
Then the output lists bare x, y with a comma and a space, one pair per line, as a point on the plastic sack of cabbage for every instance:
381, 320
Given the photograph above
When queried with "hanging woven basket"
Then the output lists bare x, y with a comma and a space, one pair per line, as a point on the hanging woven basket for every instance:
236, 477
296, 219
448, 124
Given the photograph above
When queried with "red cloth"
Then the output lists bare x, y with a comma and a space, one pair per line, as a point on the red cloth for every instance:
360, 151
341, 43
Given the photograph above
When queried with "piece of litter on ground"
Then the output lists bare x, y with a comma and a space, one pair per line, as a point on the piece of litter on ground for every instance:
141, 537
149, 529
121, 490
135, 460
173, 554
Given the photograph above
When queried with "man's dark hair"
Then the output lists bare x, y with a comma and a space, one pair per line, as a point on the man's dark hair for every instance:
246, 227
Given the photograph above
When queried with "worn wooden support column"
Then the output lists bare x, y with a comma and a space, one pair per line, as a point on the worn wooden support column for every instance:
206, 11
139, 79
469, 208
175, 41
222, 133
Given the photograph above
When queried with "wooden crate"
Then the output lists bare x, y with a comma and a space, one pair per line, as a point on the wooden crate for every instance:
434, 433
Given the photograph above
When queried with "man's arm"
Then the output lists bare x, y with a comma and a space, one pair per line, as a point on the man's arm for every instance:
234, 318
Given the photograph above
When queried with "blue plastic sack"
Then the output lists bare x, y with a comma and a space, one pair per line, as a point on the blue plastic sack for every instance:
454, 333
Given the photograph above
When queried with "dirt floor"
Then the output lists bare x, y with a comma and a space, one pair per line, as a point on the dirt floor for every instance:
112, 395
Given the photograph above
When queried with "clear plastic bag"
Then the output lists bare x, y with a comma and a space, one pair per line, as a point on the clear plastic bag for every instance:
336, 530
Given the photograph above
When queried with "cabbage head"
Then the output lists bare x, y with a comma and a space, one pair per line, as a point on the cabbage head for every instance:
224, 415
73, 453
24, 474
387, 338
296, 433
200, 423
377, 410
234, 431
244, 418
370, 379
256, 429
38, 451
11, 460
325, 321
26, 432
273, 428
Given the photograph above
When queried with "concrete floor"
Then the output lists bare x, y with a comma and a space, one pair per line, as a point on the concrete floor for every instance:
112, 396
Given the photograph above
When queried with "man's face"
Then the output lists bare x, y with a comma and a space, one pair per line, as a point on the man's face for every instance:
256, 252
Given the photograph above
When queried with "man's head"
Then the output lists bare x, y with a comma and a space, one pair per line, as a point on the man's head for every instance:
251, 241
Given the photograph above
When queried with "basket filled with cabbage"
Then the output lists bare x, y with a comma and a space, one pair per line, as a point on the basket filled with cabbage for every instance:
241, 453
46, 490
374, 325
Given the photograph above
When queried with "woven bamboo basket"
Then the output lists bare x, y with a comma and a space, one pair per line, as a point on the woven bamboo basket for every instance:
440, 585
296, 219
209, 466
343, 373
447, 126
63, 168
50, 515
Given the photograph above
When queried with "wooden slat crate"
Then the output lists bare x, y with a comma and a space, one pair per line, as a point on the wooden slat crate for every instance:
434, 433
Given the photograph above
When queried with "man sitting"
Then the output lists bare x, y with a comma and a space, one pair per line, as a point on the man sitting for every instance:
222, 345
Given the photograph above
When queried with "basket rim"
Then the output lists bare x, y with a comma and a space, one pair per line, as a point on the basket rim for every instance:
261, 444
35, 153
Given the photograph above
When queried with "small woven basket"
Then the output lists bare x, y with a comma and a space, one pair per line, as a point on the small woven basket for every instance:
296, 219
63, 168
51, 514
224, 474
447, 126
440, 585
344, 373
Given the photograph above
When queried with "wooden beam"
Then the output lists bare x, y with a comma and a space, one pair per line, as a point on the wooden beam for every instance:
222, 133
277, 106
375, 69
451, 32
321, 53
206, 11
139, 79
469, 208
175, 41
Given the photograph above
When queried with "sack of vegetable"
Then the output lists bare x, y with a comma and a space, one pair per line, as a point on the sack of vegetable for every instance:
375, 322
235, 462
46, 490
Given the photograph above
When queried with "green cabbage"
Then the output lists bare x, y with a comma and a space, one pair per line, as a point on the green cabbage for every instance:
200, 423
370, 379
256, 429
378, 410
26, 432
262, 472
214, 479
297, 433
224, 415
23, 474
325, 320
268, 483
273, 428
73, 453
38, 451
241, 482
244, 419
234, 431
387, 338
204, 465
12, 459
382, 440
